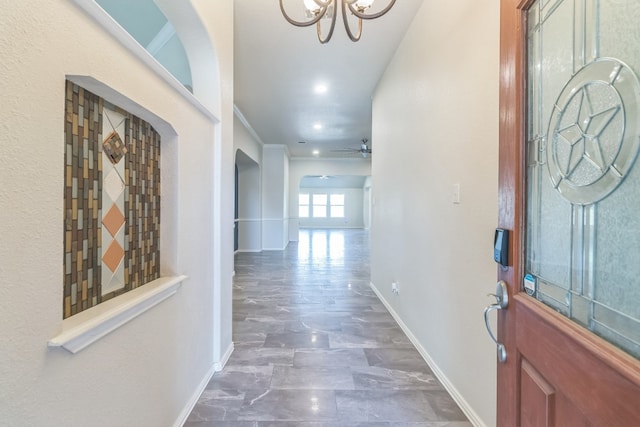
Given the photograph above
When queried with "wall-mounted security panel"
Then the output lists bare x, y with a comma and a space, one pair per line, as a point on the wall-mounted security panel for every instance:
501, 247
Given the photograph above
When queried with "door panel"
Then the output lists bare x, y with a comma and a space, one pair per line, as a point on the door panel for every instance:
539, 395
594, 380
569, 139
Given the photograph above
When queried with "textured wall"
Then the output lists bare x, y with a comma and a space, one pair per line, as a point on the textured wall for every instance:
435, 124
146, 372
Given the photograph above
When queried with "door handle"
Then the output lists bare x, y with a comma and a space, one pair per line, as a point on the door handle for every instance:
502, 302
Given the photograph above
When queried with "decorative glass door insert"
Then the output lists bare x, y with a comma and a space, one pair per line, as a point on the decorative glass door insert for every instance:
583, 180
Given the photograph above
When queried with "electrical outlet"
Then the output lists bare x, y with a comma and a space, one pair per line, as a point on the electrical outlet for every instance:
395, 288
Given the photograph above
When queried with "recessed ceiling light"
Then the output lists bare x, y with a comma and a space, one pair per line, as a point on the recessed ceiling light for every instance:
320, 89
317, 126
316, 152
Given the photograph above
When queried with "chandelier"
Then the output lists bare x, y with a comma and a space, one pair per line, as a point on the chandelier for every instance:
318, 9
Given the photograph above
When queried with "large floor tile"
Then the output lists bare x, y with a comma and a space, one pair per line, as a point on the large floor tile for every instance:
312, 378
262, 356
396, 358
298, 340
345, 357
289, 405
394, 405
241, 378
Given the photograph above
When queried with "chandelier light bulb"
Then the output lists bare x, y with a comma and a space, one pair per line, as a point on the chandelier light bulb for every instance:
363, 4
318, 9
312, 6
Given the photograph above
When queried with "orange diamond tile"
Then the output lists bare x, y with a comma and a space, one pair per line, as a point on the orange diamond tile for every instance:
113, 256
113, 220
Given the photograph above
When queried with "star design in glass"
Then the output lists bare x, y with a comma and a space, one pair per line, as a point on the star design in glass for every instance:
584, 132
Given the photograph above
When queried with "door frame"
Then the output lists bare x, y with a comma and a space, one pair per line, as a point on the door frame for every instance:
510, 194
526, 317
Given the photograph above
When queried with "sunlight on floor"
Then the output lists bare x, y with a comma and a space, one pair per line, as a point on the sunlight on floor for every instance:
321, 246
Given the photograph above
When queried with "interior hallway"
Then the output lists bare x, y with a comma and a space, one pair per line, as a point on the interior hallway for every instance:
314, 346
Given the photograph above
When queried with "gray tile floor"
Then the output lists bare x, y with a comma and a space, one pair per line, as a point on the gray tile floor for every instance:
315, 347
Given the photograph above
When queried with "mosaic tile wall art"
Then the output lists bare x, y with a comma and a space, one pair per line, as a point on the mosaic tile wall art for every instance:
113, 218
111, 199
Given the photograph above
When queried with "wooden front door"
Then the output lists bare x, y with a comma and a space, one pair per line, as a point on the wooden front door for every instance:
570, 196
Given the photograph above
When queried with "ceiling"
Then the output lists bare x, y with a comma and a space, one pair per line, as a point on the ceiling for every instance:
333, 181
277, 66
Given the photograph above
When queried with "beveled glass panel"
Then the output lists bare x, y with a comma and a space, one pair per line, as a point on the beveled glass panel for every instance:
583, 181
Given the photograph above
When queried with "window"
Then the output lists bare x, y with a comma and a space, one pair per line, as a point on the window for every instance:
337, 205
319, 205
303, 206
157, 36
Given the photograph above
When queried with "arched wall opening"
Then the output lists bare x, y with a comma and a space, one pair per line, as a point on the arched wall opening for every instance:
333, 201
203, 60
299, 168
203, 64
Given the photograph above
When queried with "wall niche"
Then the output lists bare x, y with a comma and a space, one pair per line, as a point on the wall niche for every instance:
111, 201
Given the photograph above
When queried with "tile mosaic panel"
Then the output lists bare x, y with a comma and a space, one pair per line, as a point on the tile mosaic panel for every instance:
113, 220
82, 202
111, 200
114, 148
142, 204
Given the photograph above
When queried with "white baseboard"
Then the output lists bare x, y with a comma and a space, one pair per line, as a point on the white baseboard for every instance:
219, 365
244, 251
455, 394
191, 403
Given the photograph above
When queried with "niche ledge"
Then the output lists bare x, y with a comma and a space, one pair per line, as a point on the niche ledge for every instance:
85, 328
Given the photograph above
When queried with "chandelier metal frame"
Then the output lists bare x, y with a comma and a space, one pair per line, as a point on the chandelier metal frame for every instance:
345, 5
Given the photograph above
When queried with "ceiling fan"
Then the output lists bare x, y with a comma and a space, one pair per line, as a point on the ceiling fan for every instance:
319, 176
364, 149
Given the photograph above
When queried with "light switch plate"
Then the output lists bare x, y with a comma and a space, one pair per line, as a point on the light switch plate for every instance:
456, 194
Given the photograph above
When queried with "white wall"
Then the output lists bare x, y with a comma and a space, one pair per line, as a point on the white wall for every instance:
147, 372
300, 167
366, 203
249, 217
217, 20
249, 221
244, 140
353, 210
250, 186
275, 173
435, 123
285, 206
